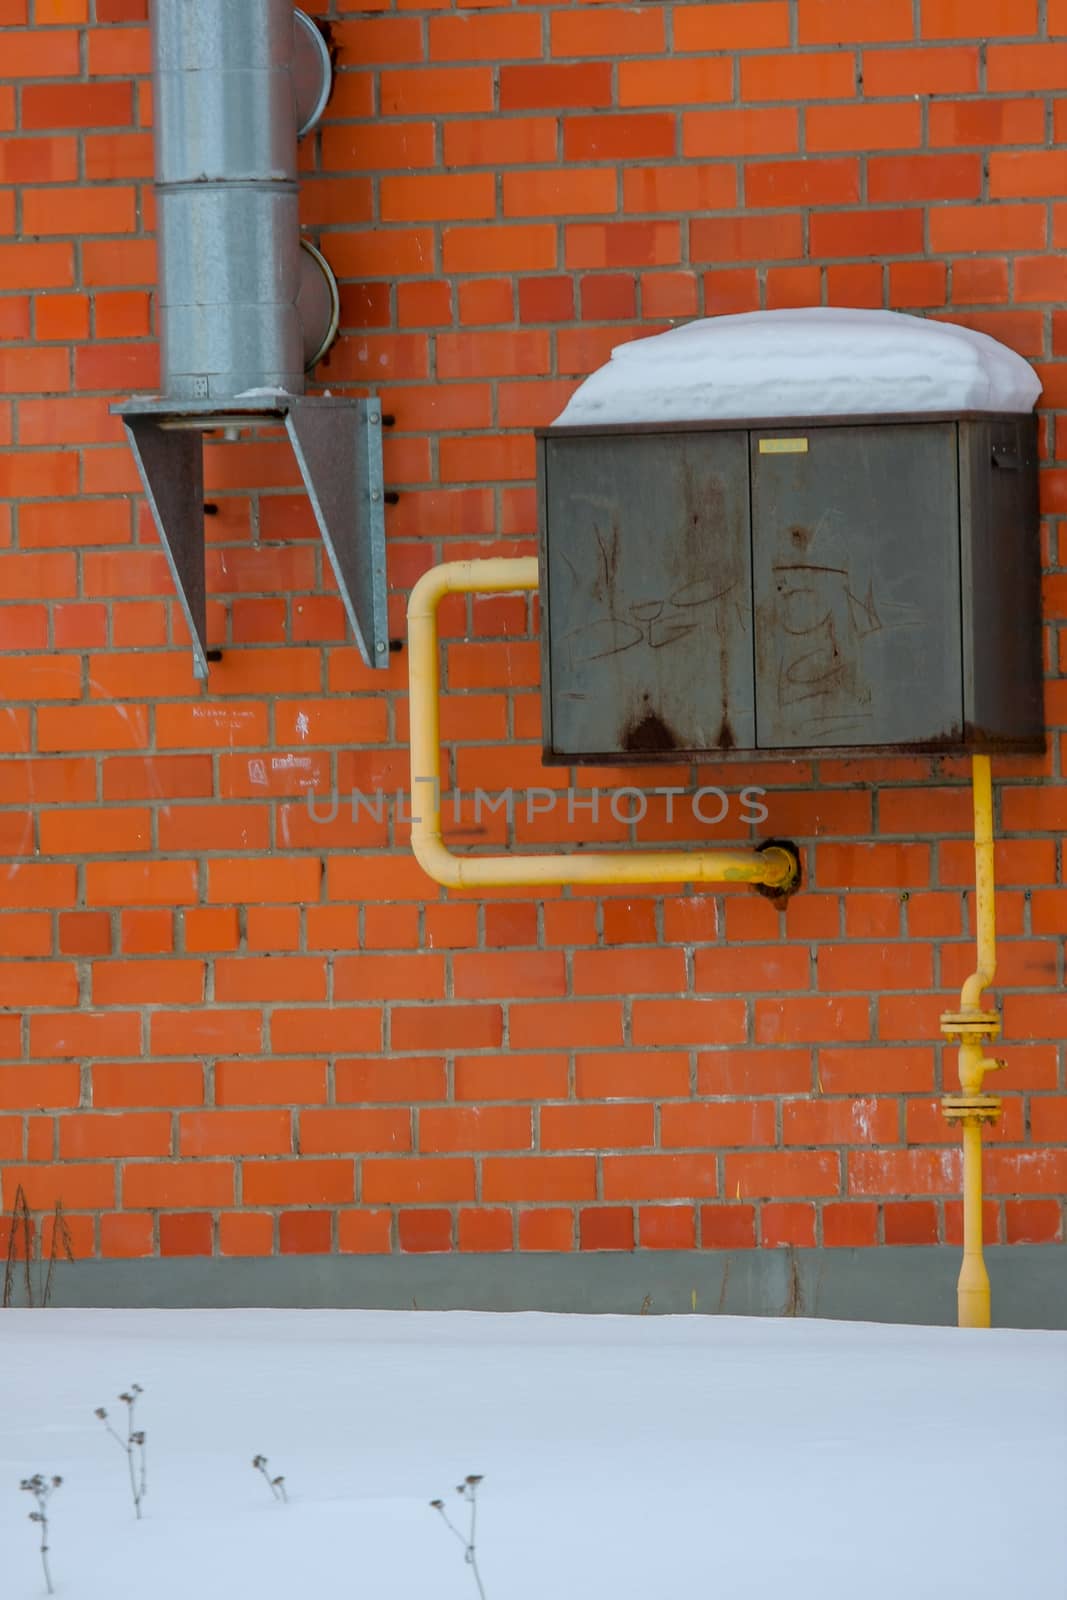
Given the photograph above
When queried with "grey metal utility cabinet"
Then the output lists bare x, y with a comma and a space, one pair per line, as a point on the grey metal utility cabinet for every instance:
790, 587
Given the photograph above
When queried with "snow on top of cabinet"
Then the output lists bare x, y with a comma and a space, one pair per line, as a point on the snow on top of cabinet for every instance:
815, 361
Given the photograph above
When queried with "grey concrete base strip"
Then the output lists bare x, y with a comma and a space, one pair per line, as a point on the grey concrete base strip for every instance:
890, 1284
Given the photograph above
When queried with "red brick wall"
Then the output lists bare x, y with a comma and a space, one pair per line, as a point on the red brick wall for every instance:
226, 1028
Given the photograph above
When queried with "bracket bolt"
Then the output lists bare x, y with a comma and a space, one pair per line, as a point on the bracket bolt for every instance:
380, 647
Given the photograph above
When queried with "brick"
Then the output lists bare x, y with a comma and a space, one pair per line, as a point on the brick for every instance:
330, 1132
446, 1027
751, 25
500, 141
425, 1230
606, 1228
669, 1227
859, 1120
802, 183
529, 247
460, 1129
437, 197
674, 83
282, 879
141, 982
597, 1127
28, 53
897, 178
178, 1183
659, 1177
364, 1232
491, 37
50, 160
305, 1232
916, 283
749, 1071
1020, 175
946, 70
811, 76
717, 1125
871, 233
907, 1172
524, 1178
300, 1182
38, 983
746, 238
842, 22
426, 91
131, 1133
485, 1230
51, 1084
210, 1033
127, 1235
986, 123
728, 1227
555, 192
1026, 67
1025, 1172
546, 87
626, 137
718, 970
76, 1186
132, 1085
33, 370
140, 883
607, 30
419, 1180
1032, 1222
978, 19
633, 972
772, 130
225, 1133
93, 210
787, 1225
777, 1174
510, 1077
546, 1228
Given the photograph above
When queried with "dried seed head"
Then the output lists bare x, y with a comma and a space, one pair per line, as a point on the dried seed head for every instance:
438, 1505
136, 1387
56, 1482
138, 1437
101, 1413
474, 1478
35, 1516
259, 1461
128, 1398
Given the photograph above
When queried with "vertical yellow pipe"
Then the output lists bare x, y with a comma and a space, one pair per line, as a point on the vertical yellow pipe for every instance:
968, 1028
985, 892
972, 1287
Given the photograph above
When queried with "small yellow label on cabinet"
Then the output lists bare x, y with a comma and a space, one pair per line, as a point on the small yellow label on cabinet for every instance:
783, 447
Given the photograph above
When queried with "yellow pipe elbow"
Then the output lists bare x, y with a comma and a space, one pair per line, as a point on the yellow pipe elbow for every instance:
775, 867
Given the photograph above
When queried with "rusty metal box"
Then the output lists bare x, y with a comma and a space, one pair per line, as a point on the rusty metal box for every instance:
797, 586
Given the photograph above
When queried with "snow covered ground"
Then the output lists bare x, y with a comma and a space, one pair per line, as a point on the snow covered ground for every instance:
640, 1458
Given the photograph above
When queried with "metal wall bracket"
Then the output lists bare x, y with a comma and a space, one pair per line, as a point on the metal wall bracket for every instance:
338, 448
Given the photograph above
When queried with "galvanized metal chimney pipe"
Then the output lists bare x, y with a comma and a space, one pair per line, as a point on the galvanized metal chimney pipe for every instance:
246, 305
225, 135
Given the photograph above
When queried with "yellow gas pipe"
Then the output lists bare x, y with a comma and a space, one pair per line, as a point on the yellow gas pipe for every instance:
775, 867
968, 1028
